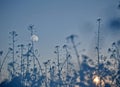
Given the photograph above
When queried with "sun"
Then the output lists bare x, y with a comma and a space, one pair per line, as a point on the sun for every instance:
96, 80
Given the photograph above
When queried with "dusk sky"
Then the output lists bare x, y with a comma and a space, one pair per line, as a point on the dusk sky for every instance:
54, 20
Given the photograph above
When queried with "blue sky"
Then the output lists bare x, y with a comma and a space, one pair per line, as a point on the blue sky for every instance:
54, 20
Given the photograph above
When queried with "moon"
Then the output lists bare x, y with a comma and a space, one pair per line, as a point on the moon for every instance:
34, 38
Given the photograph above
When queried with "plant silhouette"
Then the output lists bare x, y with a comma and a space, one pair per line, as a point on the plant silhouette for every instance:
26, 70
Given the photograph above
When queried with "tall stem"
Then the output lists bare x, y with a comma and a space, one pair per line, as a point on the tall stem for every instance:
98, 47
75, 48
98, 43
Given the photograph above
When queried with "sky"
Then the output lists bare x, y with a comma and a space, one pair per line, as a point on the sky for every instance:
54, 20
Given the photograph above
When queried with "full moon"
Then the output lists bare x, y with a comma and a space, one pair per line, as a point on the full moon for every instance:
34, 38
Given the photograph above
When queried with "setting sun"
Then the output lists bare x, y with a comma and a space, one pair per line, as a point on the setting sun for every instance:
96, 80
